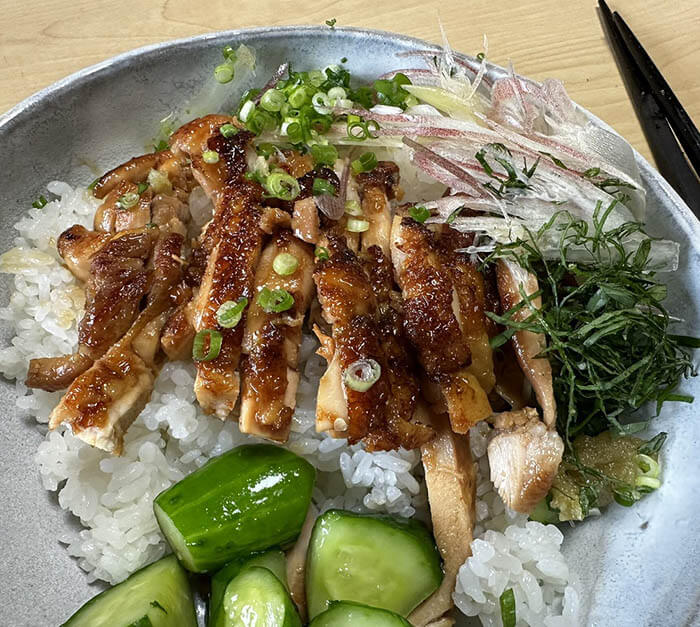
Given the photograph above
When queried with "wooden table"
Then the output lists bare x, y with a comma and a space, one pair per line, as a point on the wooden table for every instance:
43, 41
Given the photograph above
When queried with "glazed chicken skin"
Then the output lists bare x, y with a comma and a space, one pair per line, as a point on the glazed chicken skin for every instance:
102, 402
441, 321
159, 184
271, 341
117, 281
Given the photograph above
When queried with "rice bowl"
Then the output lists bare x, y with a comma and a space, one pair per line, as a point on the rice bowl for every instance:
112, 496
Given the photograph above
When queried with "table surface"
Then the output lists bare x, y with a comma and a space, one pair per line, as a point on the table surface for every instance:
49, 39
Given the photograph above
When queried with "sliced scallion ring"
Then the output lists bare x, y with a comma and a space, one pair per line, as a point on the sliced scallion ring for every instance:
322, 186
353, 208
285, 264
228, 130
282, 185
324, 155
213, 338
648, 466
362, 374
230, 313
356, 225
651, 483
366, 163
272, 100
275, 301
128, 200
224, 73
321, 253
210, 156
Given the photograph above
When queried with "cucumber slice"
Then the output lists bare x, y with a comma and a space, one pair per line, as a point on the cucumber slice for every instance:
256, 598
158, 595
274, 561
250, 499
380, 561
347, 614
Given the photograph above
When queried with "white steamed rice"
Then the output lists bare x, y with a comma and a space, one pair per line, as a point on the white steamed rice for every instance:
112, 496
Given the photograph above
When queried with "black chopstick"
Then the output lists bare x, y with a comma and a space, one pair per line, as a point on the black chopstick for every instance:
669, 157
680, 122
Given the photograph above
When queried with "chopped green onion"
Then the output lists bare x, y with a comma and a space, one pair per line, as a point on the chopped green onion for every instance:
142, 188
359, 129
480, 57
228, 130
228, 52
648, 482
324, 155
224, 73
322, 186
331, 23
151, 225
94, 183
282, 185
266, 149
648, 465
321, 253
40, 203
159, 182
272, 100
391, 92
337, 93
295, 133
356, 225
507, 602
419, 214
353, 208
285, 264
247, 108
453, 216
210, 156
128, 200
362, 374
366, 163
275, 301
344, 60
214, 339
298, 97
230, 313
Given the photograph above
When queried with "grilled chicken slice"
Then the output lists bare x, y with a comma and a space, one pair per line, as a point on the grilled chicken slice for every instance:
164, 202
527, 344
56, 373
356, 305
271, 342
402, 427
349, 305
434, 321
101, 403
117, 282
450, 476
470, 288
376, 189
296, 563
178, 334
229, 275
202, 135
77, 247
524, 456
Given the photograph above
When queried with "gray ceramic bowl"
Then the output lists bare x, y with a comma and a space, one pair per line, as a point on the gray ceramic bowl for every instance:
638, 566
